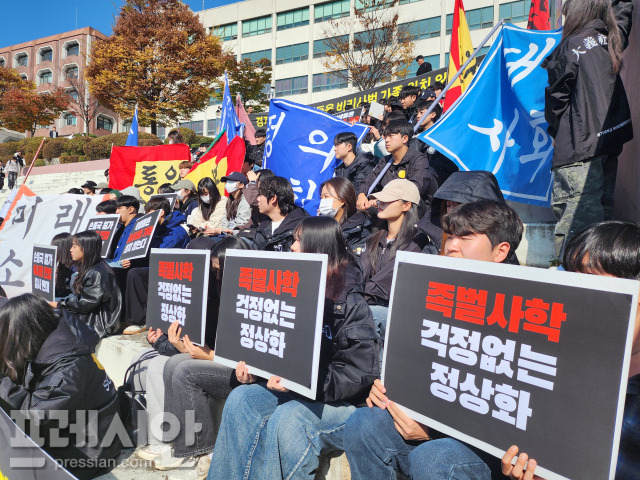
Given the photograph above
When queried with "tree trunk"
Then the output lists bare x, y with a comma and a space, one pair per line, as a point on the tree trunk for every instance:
154, 126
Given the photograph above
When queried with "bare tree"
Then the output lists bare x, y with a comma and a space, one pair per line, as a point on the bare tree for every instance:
84, 105
370, 49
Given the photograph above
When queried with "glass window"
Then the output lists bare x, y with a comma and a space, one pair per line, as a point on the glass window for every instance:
256, 26
22, 60
46, 77
427, 28
2, 62
320, 48
226, 32
291, 86
476, 19
105, 123
195, 126
294, 18
404, 2
330, 81
331, 10
73, 94
46, 55
360, 4
514, 12
71, 72
255, 56
70, 120
292, 53
212, 126
23, 76
73, 49
161, 130
370, 38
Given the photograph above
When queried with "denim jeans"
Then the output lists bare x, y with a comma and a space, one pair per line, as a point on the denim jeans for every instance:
269, 435
191, 388
375, 449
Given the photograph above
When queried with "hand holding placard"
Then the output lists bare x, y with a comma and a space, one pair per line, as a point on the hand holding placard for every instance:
517, 471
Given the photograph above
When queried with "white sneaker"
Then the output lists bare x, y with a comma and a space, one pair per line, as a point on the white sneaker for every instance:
199, 473
167, 461
133, 329
150, 452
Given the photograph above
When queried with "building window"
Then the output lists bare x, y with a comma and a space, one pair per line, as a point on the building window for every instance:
105, 123
291, 86
292, 53
1, 62
226, 32
294, 18
212, 126
161, 130
256, 56
46, 55
195, 126
360, 5
24, 77
330, 81
73, 49
427, 28
514, 12
404, 2
73, 94
320, 47
71, 72
70, 120
45, 77
476, 19
370, 38
434, 60
256, 26
22, 60
331, 10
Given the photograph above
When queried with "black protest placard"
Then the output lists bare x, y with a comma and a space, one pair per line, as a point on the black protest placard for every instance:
139, 240
271, 312
172, 197
105, 226
43, 272
178, 284
497, 355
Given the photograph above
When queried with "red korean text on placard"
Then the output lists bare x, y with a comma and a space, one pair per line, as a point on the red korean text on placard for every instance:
175, 270
275, 281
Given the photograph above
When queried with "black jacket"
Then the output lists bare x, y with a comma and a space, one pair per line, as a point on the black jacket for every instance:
585, 103
350, 350
358, 170
66, 376
378, 278
356, 229
424, 68
282, 239
99, 304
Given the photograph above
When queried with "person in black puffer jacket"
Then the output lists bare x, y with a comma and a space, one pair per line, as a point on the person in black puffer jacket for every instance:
46, 367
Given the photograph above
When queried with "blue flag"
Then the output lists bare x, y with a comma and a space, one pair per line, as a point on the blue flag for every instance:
132, 138
299, 147
229, 120
499, 125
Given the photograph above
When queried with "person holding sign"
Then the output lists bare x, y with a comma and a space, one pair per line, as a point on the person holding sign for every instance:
268, 431
382, 438
95, 297
64, 269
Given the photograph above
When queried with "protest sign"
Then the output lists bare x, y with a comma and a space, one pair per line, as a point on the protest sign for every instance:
22, 459
497, 355
43, 278
178, 284
172, 197
105, 226
299, 147
271, 313
139, 240
37, 219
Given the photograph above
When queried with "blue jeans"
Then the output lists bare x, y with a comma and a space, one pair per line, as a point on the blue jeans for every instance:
375, 449
270, 435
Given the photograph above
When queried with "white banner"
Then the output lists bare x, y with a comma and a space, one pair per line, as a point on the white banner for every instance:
37, 220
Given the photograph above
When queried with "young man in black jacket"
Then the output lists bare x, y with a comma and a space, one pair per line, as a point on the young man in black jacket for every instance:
354, 168
276, 201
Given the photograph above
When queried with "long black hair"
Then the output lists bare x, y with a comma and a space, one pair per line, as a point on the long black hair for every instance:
345, 192
580, 12
324, 235
91, 245
214, 197
63, 242
407, 231
25, 323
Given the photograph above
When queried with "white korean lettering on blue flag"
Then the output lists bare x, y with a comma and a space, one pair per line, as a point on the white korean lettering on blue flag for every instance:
299, 147
499, 124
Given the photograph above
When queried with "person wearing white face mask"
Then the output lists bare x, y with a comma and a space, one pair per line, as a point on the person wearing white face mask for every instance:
338, 200
238, 210
207, 217
186, 195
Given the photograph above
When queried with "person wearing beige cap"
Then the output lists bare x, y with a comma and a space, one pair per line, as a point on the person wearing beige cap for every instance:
187, 195
398, 207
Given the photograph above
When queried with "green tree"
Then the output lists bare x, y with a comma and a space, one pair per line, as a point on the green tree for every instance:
159, 57
251, 80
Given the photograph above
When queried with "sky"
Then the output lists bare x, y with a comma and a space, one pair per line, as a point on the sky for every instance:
28, 20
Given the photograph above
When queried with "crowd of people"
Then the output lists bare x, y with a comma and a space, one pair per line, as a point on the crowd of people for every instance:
390, 193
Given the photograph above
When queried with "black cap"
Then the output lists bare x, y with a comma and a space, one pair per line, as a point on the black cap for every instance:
428, 94
235, 177
89, 184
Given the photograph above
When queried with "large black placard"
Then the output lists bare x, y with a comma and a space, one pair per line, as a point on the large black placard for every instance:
105, 226
178, 284
271, 312
139, 240
497, 355
43, 271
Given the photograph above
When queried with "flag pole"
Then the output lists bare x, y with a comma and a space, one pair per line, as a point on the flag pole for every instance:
33, 161
458, 73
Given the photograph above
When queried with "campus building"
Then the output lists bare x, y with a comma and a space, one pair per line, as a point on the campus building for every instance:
290, 33
54, 62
